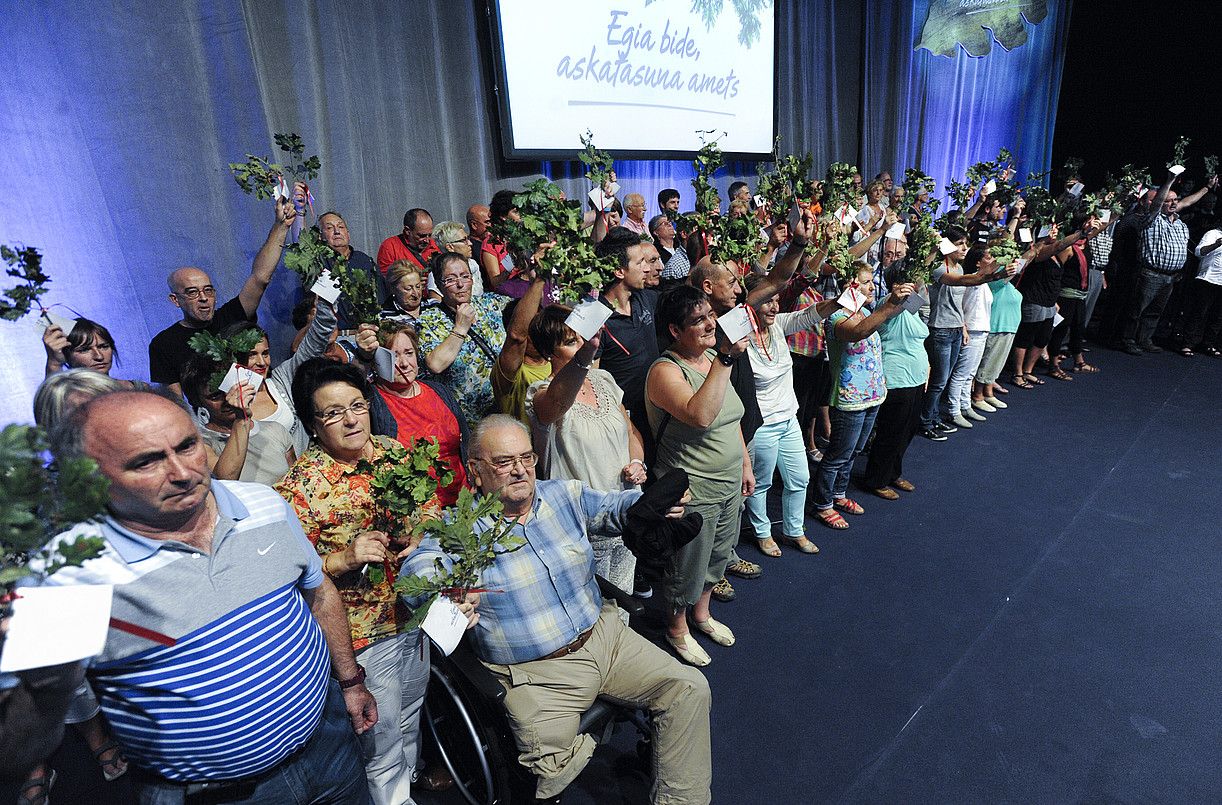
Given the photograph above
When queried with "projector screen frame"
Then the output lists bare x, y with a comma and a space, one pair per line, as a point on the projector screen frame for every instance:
500, 88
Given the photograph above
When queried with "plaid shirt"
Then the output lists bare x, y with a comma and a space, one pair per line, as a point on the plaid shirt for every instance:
544, 594
1164, 244
1099, 248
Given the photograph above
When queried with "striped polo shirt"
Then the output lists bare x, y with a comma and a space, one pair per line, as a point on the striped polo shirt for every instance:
221, 670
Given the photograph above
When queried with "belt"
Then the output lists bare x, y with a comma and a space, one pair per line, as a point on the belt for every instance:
571, 648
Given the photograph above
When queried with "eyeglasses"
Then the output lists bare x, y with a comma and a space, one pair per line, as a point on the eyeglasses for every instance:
459, 240
334, 415
456, 279
196, 293
503, 465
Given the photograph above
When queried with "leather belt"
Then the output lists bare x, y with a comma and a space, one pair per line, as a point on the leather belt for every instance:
571, 648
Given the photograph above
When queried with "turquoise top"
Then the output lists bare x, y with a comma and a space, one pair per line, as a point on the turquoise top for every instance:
1007, 307
905, 362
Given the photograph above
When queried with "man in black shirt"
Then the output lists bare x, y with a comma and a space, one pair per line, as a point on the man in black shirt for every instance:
191, 291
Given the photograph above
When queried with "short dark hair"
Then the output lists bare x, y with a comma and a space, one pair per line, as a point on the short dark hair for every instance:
666, 195
735, 187
195, 378
954, 233
411, 216
501, 204
547, 328
616, 244
302, 310
83, 332
437, 264
974, 254
316, 373
674, 305
332, 212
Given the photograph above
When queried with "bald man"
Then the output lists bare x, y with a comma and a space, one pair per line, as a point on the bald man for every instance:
194, 563
192, 292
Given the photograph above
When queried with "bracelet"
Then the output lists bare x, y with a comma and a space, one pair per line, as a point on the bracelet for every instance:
638, 461
585, 367
463, 336
354, 680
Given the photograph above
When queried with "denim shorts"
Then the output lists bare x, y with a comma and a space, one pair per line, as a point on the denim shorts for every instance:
1034, 313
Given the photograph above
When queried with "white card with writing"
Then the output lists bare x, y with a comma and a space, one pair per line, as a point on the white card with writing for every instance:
1024, 235
1045, 231
946, 247
384, 364
846, 214
1105, 216
1175, 170
54, 625
735, 323
914, 302
896, 231
760, 201
990, 187
445, 624
588, 318
852, 299
326, 288
240, 374
52, 319
1077, 189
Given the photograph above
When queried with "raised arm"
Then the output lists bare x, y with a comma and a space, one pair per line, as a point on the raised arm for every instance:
784, 269
669, 390
443, 355
1193, 198
553, 402
849, 330
517, 334
264, 266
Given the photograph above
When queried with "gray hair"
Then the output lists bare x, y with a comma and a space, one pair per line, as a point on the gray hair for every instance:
67, 435
448, 232
493, 422
63, 392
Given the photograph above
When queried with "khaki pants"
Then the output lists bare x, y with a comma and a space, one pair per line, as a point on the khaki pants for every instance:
545, 700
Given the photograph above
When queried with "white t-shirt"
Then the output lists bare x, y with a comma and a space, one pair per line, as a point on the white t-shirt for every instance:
773, 369
977, 307
1211, 264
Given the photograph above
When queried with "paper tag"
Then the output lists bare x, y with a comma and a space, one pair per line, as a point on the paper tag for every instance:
1175, 170
384, 364
52, 319
735, 323
1105, 216
1077, 189
915, 302
599, 200
896, 231
445, 624
588, 318
990, 187
326, 288
1018, 265
506, 263
281, 191
852, 299
946, 247
1024, 235
760, 201
1139, 190
54, 625
1057, 318
846, 214
240, 374
1045, 231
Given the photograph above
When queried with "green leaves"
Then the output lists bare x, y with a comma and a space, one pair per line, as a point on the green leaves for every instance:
308, 257
1004, 250
403, 480
25, 264
358, 287
737, 240
37, 503
708, 159
1073, 168
1179, 152
838, 188
598, 163
225, 351
259, 176
1211, 165
790, 177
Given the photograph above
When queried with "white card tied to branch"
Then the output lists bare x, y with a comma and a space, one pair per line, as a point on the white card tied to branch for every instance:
326, 288
1076, 189
946, 247
735, 323
1024, 235
54, 625
49, 318
588, 318
846, 214
384, 364
990, 187
896, 231
852, 299
1175, 170
445, 623
914, 302
240, 374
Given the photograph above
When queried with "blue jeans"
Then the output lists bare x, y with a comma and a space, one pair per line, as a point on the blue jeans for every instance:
943, 347
779, 446
850, 430
326, 771
1150, 297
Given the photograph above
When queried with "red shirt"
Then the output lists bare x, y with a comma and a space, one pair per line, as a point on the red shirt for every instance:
393, 248
425, 416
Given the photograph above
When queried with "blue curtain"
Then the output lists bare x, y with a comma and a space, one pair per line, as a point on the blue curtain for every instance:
941, 114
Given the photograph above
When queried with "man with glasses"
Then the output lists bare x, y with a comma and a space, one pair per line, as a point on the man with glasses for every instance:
414, 243
551, 640
334, 230
192, 292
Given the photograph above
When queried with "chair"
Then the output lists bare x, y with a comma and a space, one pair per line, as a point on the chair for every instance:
465, 714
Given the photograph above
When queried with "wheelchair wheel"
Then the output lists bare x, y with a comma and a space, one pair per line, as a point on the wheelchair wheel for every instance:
471, 746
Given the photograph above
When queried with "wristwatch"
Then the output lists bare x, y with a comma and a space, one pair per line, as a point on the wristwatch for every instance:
726, 360
352, 682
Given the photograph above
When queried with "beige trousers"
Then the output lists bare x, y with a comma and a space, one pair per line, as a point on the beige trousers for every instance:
545, 700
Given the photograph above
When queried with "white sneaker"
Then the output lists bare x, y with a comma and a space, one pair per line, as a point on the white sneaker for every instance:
970, 413
996, 403
983, 405
961, 421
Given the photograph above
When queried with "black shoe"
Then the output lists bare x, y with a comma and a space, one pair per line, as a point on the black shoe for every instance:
932, 435
1133, 349
641, 588
945, 427
1152, 348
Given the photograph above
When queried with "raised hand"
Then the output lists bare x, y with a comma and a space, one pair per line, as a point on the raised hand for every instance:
464, 317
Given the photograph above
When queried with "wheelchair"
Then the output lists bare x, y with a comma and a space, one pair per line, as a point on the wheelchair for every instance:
465, 717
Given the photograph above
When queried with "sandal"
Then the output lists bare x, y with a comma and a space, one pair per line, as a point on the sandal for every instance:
831, 519
768, 547
1214, 351
1059, 374
116, 766
801, 543
1085, 367
716, 631
1033, 379
1000, 389
44, 781
1021, 382
849, 506
1186, 352
689, 650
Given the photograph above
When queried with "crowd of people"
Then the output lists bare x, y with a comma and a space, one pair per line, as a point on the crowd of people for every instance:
293, 672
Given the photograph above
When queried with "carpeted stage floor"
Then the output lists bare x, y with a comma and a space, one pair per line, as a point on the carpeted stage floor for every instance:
1041, 621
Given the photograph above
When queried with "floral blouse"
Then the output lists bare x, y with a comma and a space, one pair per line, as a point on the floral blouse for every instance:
470, 376
334, 503
857, 368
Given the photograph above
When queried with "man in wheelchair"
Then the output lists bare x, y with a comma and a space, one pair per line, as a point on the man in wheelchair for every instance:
547, 636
